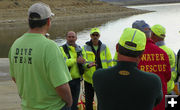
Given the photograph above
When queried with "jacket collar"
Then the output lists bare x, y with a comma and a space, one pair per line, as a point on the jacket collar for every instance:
91, 44
160, 43
77, 47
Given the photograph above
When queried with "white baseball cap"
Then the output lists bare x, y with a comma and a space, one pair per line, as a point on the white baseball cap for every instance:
42, 9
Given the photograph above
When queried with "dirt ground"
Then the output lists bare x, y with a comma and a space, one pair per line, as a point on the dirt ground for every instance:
75, 15
16, 10
9, 99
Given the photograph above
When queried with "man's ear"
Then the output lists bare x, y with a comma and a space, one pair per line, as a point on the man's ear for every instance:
117, 47
139, 58
49, 22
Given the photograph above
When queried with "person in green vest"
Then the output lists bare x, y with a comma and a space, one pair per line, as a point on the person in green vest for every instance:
158, 36
37, 65
75, 58
98, 53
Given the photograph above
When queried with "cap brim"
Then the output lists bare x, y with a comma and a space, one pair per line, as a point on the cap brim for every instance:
95, 32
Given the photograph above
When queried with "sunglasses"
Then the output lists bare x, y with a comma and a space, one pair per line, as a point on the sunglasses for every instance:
95, 34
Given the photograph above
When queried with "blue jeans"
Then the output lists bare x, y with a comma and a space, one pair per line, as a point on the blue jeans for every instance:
75, 90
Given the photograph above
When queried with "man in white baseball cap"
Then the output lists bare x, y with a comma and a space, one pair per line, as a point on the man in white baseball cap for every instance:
42, 9
38, 67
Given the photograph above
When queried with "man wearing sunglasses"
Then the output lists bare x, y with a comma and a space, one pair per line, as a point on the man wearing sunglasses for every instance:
98, 53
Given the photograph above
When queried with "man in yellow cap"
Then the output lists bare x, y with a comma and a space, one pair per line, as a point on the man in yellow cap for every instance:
154, 60
124, 86
98, 53
158, 36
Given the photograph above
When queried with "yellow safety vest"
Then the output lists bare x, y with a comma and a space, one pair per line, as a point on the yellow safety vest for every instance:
72, 62
115, 59
173, 62
106, 60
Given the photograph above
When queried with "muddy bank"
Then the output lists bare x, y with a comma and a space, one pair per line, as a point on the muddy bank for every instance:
11, 30
9, 96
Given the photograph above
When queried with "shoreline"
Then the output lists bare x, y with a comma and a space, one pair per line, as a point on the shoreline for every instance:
4, 69
9, 96
10, 30
141, 3
92, 20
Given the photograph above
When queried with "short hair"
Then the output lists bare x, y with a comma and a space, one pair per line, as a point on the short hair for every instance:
124, 51
36, 23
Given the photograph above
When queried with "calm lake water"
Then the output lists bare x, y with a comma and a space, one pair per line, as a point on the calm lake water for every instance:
168, 15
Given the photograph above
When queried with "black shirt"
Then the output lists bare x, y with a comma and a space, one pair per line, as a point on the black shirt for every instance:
125, 87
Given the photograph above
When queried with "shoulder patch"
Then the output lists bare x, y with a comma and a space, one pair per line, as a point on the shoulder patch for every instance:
124, 73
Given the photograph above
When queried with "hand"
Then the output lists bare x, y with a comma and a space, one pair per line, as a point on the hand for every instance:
81, 60
92, 64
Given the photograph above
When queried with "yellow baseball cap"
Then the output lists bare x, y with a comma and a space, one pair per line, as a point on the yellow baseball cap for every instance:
133, 39
93, 30
159, 30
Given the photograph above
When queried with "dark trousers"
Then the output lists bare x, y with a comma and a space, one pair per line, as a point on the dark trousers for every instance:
75, 90
66, 108
89, 95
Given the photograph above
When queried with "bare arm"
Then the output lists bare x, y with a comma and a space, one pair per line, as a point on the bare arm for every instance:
65, 93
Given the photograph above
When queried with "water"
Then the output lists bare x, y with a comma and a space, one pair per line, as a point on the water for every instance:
9, 32
168, 15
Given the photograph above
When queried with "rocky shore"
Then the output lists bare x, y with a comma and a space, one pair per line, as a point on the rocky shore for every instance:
13, 13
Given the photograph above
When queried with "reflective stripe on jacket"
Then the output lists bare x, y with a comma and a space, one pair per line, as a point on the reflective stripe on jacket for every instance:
72, 62
105, 57
115, 59
173, 62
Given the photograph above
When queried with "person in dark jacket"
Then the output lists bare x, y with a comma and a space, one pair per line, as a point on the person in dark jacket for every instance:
124, 86
155, 60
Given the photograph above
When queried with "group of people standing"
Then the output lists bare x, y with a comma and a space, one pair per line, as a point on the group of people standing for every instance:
48, 77
92, 56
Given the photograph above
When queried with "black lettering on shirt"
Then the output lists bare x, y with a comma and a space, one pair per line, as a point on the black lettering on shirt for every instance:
29, 60
21, 60
17, 51
25, 51
23, 56
30, 50
22, 51
15, 59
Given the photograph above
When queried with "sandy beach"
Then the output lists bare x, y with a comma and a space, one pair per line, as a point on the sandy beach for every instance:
9, 99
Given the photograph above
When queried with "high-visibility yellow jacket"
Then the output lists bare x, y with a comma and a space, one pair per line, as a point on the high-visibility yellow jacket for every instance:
105, 57
172, 61
115, 59
72, 62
